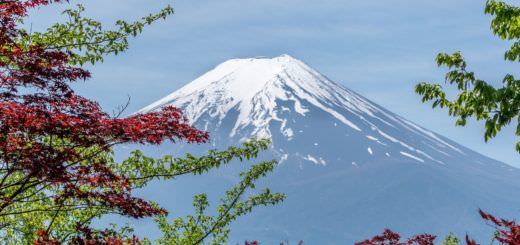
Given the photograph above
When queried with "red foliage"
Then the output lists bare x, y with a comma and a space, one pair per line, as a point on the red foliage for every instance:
391, 238
38, 107
87, 237
508, 232
470, 241
44, 239
257, 243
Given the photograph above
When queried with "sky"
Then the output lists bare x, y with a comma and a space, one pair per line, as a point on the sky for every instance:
379, 49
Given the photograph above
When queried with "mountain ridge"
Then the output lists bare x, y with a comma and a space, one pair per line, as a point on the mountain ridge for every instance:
350, 166
229, 87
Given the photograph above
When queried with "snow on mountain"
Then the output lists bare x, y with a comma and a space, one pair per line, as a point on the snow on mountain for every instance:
253, 86
256, 88
349, 167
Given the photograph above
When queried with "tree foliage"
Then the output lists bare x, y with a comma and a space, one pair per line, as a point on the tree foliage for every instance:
199, 228
507, 233
391, 238
57, 169
87, 39
476, 98
451, 239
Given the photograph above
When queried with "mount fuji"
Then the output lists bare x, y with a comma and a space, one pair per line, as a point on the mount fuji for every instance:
349, 167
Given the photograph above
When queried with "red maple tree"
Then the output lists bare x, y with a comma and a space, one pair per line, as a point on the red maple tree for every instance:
391, 238
508, 233
45, 126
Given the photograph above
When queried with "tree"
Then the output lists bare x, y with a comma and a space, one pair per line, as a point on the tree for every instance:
198, 228
476, 98
141, 170
391, 238
451, 239
57, 171
507, 232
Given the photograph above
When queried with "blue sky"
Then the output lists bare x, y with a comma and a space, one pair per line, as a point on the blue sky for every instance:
380, 49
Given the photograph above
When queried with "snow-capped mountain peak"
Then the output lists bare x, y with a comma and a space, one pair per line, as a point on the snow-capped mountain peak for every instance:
258, 93
347, 164
255, 85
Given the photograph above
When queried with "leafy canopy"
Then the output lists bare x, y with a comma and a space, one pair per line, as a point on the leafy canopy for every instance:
57, 170
476, 98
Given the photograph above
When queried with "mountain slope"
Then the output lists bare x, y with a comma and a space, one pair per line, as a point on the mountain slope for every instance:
350, 167
285, 91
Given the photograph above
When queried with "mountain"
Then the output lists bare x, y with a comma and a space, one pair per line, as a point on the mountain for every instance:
350, 168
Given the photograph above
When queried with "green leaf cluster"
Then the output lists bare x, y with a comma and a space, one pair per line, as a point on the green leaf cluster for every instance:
38, 210
202, 228
451, 239
478, 99
87, 40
